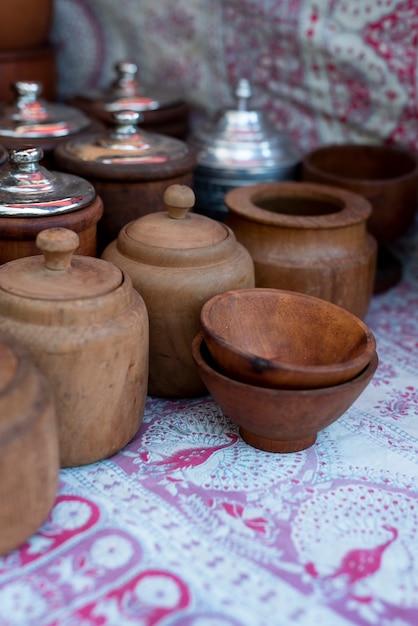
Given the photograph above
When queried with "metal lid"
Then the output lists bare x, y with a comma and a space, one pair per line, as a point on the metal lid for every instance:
33, 117
242, 140
28, 189
127, 93
126, 144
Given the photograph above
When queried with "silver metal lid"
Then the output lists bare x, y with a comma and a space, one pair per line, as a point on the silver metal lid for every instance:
33, 117
242, 141
127, 144
127, 93
28, 189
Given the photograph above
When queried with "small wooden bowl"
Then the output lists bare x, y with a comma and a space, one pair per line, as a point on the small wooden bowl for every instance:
284, 339
278, 420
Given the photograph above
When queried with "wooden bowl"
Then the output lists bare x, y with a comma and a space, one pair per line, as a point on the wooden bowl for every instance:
278, 338
278, 420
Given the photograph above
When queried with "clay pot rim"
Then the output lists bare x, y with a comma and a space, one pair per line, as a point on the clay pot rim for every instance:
277, 393
354, 207
376, 148
276, 369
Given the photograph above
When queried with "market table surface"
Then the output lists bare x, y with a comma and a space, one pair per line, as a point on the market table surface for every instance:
190, 526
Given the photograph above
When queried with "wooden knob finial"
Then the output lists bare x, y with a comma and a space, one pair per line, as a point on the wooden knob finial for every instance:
58, 246
179, 199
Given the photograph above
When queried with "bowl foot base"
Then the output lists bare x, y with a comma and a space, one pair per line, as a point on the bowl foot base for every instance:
276, 445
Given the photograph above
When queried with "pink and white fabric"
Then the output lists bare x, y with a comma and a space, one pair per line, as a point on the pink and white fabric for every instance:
324, 70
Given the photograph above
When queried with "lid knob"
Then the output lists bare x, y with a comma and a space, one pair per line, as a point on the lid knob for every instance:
179, 199
243, 94
28, 102
26, 159
58, 246
126, 82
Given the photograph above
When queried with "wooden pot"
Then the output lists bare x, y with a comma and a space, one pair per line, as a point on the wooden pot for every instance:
25, 23
307, 238
177, 260
31, 200
87, 330
130, 170
29, 460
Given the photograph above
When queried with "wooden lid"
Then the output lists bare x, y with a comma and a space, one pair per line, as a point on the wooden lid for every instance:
176, 228
58, 275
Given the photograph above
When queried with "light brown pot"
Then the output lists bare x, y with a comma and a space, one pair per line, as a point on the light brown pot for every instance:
87, 330
307, 238
29, 461
178, 260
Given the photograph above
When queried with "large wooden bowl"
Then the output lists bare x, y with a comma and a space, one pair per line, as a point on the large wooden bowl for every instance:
278, 420
278, 338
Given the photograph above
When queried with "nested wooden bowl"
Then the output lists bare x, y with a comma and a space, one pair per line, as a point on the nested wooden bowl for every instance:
277, 338
278, 420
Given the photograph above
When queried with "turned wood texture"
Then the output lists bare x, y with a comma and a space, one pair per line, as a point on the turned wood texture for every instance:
29, 457
278, 420
177, 260
308, 238
87, 330
277, 338
18, 234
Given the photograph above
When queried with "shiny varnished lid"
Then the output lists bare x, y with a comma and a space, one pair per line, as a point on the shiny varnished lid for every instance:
243, 140
30, 116
57, 274
126, 144
28, 189
127, 93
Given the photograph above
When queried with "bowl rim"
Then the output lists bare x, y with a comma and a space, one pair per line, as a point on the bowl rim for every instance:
275, 365
211, 370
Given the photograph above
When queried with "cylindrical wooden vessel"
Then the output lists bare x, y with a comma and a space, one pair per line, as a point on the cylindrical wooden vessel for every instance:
25, 23
130, 170
33, 199
178, 260
87, 330
307, 238
29, 459
34, 64
31, 120
161, 112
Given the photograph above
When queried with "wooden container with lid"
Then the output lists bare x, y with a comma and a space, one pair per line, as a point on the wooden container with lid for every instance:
87, 330
129, 168
29, 458
177, 261
33, 198
163, 112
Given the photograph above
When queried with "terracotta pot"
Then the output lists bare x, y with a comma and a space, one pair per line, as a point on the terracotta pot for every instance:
307, 238
87, 330
37, 64
29, 462
33, 199
178, 260
25, 23
130, 170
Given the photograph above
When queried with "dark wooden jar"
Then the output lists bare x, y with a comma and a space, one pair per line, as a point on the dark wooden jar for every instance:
129, 168
29, 457
86, 328
33, 64
162, 112
33, 198
177, 260
30, 119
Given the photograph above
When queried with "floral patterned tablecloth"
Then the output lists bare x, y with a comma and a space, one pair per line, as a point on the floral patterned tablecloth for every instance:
190, 526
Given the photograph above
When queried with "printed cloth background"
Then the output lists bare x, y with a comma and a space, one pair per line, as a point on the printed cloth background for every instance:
323, 70
190, 526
